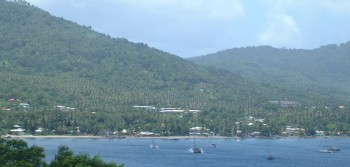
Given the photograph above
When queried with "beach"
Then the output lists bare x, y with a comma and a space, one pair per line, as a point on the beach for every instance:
114, 137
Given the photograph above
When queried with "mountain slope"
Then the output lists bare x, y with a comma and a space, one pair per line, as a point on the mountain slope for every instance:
322, 69
50, 61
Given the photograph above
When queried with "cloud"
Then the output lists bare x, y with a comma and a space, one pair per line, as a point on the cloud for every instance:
282, 30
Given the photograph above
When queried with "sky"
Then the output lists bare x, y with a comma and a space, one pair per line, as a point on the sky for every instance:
189, 28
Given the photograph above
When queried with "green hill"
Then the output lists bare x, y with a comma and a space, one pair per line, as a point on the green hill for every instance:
323, 69
47, 61
52, 61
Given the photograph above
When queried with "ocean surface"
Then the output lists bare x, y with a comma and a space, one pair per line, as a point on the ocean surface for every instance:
251, 152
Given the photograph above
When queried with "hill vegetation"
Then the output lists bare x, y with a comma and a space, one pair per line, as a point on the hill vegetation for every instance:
323, 69
47, 61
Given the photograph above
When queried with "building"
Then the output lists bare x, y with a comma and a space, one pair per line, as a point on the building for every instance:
24, 106
199, 131
151, 108
171, 110
148, 134
293, 131
285, 103
64, 108
177, 110
17, 130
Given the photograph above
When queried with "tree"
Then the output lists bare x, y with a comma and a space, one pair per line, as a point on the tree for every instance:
65, 158
17, 153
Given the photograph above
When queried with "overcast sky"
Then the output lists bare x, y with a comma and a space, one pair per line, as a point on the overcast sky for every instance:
190, 28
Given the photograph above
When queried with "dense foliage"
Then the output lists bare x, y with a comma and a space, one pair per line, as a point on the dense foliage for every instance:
324, 69
16, 153
52, 61
66, 158
47, 61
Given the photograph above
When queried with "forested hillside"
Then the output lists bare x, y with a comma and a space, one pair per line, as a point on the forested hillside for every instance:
324, 69
47, 61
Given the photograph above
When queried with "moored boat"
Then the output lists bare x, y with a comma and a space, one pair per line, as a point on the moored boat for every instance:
195, 149
334, 148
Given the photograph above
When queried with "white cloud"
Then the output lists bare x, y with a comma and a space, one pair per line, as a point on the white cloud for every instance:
282, 30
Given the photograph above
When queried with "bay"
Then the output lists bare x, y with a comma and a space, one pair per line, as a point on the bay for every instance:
251, 152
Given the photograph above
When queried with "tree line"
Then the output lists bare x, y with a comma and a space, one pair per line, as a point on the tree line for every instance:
17, 153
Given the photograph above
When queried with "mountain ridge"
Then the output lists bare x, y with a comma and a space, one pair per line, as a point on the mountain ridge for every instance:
323, 67
36, 44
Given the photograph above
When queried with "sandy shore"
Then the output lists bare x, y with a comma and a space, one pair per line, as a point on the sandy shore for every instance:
147, 137
103, 137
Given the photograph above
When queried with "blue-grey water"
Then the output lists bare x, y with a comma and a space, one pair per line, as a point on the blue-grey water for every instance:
135, 152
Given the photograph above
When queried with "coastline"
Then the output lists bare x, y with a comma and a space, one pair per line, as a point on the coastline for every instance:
117, 137
152, 137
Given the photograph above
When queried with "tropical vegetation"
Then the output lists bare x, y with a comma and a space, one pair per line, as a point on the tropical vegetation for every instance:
17, 153
68, 79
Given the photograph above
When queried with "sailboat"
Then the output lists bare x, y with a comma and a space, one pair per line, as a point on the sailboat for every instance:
195, 149
153, 145
324, 150
269, 154
213, 145
334, 148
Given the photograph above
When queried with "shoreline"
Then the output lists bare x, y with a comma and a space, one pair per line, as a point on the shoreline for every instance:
153, 137
116, 137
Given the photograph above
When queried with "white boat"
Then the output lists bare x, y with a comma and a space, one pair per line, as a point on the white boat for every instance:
325, 151
153, 145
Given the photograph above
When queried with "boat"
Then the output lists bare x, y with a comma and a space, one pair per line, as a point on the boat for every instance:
325, 151
334, 148
153, 145
195, 149
269, 154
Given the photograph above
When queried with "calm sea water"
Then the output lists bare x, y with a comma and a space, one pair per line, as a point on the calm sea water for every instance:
135, 152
